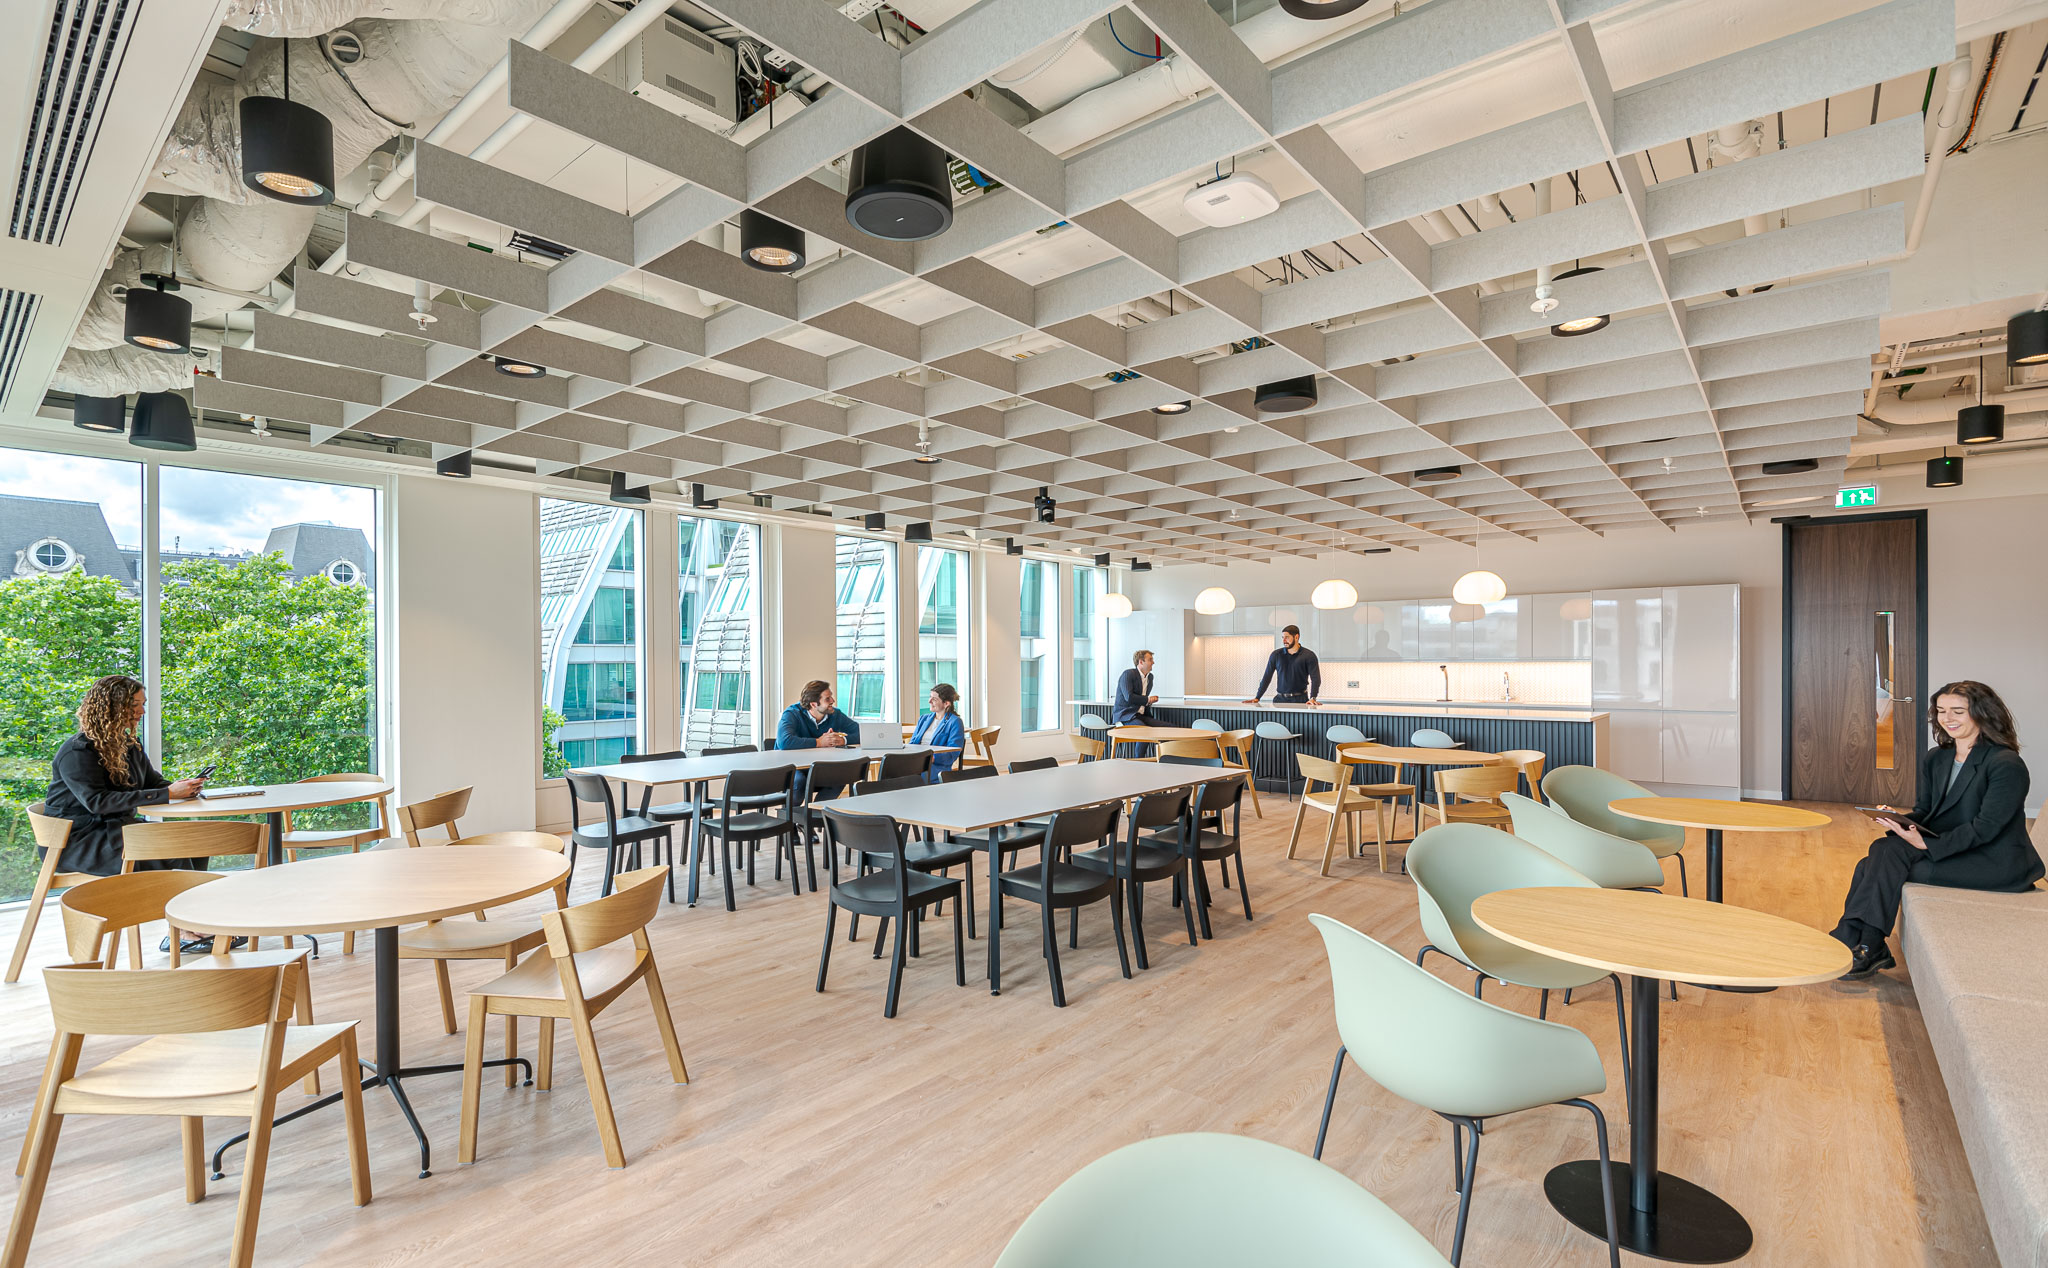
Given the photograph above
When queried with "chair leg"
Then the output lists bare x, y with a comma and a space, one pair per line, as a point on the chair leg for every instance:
35, 1180
1187, 907
348, 942
600, 1095
1684, 890
959, 945
881, 932
1135, 902
1199, 894
194, 1132
825, 956
1606, 1181
45, 876
1295, 835
1543, 1007
903, 923
511, 1031
544, 1078
1464, 1193
1379, 827
447, 996
472, 1077
1329, 840
1116, 923
1329, 1100
969, 895
1427, 947
787, 845
1074, 927
1052, 954
1244, 895
255, 1160
135, 946
352, 1121
1621, 1020
665, 1022
725, 859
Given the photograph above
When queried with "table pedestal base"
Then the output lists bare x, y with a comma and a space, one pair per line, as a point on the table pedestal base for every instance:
1689, 1226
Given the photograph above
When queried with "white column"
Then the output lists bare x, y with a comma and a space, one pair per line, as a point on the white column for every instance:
661, 699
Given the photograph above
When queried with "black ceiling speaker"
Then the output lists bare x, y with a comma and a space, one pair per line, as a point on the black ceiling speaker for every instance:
1980, 425
1173, 407
897, 188
628, 497
769, 245
1579, 325
455, 465
1011, 546
287, 147
917, 532
1944, 472
2026, 338
100, 413
1438, 475
163, 421
1287, 396
1141, 565
519, 367
156, 319
1102, 560
1791, 466
1319, 10
876, 522
699, 500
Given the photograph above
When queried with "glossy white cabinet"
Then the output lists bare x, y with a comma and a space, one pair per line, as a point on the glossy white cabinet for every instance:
1635, 744
1628, 649
1494, 636
1702, 630
1557, 626
1702, 749
1432, 623
1342, 635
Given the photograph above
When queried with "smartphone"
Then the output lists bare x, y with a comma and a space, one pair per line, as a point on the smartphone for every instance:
207, 771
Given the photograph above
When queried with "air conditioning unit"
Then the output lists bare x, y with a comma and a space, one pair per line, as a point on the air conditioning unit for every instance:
678, 68
1236, 198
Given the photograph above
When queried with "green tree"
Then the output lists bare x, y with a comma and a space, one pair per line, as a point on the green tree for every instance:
553, 763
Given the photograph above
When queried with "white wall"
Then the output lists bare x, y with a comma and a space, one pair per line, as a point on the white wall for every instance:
800, 614
466, 700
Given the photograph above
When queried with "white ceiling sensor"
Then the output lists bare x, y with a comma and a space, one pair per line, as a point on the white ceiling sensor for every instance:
1233, 200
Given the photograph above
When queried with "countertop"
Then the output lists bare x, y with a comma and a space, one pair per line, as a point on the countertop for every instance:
1397, 708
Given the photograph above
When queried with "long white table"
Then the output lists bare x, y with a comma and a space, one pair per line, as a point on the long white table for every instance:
975, 805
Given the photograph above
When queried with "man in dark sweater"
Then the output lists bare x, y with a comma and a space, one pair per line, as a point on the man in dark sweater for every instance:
1300, 674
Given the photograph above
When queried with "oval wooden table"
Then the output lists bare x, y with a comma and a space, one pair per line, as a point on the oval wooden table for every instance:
272, 802
1656, 938
1717, 817
379, 889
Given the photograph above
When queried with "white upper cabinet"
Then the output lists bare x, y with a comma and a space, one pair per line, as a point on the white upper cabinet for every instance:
1432, 619
1628, 647
1494, 636
1702, 634
1558, 626
1342, 634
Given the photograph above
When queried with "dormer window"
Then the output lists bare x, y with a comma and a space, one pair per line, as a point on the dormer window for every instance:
343, 573
53, 555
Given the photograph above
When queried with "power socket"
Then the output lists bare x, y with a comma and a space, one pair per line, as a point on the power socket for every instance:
1352, 682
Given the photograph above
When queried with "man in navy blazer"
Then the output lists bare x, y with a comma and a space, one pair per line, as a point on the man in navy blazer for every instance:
1134, 698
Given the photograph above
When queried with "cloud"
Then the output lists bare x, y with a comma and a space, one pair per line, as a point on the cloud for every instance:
116, 486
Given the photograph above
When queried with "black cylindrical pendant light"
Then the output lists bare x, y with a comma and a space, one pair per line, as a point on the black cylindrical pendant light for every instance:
1288, 396
156, 319
163, 421
456, 465
1579, 325
1980, 424
287, 147
769, 245
2026, 338
897, 188
100, 413
1945, 472
628, 497
1319, 10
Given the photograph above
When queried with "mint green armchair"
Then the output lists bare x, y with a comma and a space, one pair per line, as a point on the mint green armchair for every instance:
1467, 1060
1583, 793
1607, 860
1254, 1202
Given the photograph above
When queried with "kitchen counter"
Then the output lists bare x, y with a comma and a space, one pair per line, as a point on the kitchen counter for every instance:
1377, 708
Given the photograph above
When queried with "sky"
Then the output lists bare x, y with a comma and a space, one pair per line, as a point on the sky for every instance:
202, 510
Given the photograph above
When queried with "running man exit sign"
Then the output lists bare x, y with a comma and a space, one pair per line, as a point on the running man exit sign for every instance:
1861, 495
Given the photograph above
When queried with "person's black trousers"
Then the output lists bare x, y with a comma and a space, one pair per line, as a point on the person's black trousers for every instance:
1872, 906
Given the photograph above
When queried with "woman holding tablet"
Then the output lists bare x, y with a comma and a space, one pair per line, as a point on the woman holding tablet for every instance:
1968, 830
101, 777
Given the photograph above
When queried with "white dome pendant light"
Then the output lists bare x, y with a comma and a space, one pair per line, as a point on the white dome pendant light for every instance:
1334, 595
1115, 605
1215, 601
1479, 587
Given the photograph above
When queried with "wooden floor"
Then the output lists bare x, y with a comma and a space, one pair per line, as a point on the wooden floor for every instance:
816, 1132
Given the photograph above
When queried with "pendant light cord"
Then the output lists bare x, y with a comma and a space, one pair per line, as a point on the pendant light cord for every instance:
287, 68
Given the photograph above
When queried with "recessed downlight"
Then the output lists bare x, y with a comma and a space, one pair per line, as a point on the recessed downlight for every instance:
519, 367
1791, 466
1173, 407
1438, 475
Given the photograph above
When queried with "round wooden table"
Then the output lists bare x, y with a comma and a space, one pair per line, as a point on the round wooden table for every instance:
1159, 735
1718, 817
1656, 938
272, 802
1373, 753
379, 889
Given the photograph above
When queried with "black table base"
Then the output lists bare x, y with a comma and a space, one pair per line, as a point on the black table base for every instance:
1714, 896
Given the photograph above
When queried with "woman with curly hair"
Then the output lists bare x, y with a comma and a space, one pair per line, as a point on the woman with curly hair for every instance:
101, 777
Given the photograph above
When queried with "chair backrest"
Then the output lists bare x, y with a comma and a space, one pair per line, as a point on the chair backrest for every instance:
896, 765
1432, 1043
1344, 734
585, 788
1084, 748
953, 775
1612, 861
866, 786
106, 906
1530, 762
438, 811
878, 836
647, 790
349, 777
1316, 770
1361, 754
827, 778
1033, 763
1191, 752
1094, 722
1238, 742
88, 1000
1583, 793
195, 839
1207, 724
760, 783
734, 748
1454, 864
51, 833
1283, 1208
623, 913
1084, 826
527, 840
1430, 737
981, 741
1273, 731
1479, 783
1156, 810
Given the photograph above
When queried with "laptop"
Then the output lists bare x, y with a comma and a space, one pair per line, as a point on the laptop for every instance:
880, 736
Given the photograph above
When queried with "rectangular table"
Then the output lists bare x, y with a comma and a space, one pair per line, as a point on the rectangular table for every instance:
702, 770
976, 805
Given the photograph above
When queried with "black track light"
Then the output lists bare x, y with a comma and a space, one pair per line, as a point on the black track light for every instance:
769, 245
1141, 565
163, 421
100, 413
2026, 338
1102, 560
1011, 546
629, 497
156, 319
1579, 325
700, 501
456, 465
875, 522
1438, 475
1319, 10
917, 532
1945, 472
1173, 407
897, 188
1288, 396
1791, 466
1044, 505
519, 367
287, 147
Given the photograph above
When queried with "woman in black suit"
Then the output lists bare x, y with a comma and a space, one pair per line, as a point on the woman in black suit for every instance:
1968, 830
101, 777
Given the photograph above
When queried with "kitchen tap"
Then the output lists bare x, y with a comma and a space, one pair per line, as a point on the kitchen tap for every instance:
1445, 698
1507, 686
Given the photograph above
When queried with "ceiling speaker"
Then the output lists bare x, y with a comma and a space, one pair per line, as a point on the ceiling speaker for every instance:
1288, 396
897, 188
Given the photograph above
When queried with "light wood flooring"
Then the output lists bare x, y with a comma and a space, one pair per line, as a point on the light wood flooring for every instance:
816, 1132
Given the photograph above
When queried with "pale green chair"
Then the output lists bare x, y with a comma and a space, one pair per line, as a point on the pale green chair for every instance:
1207, 1200
1453, 865
1428, 1042
1609, 861
1583, 793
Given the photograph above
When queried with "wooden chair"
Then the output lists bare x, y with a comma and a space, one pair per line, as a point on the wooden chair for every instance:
201, 839
981, 746
51, 834
1530, 762
1388, 790
1237, 753
504, 939
219, 1048
438, 811
1085, 750
1192, 752
296, 839
1340, 801
1471, 794
586, 966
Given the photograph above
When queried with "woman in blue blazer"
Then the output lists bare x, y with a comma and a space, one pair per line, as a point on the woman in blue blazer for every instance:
941, 726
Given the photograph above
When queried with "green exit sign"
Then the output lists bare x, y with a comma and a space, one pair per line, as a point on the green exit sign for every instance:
1861, 495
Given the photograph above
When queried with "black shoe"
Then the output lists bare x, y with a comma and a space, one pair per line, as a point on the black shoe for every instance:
1868, 962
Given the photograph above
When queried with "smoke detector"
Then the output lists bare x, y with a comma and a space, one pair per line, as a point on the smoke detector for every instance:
1234, 199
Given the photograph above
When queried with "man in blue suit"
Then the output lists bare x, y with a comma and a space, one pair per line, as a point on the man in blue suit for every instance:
1134, 698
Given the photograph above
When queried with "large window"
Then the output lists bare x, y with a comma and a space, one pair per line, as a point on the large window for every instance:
866, 599
717, 625
941, 623
589, 634
1091, 634
1038, 628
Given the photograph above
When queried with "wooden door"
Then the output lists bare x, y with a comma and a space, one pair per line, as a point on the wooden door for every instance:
1855, 673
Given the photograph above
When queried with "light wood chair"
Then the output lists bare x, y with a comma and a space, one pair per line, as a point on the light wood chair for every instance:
438, 811
504, 939
1471, 794
1390, 790
981, 746
1340, 801
1237, 754
219, 1048
296, 839
1085, 750
201, 839
1530, 762
587, 965
1207, 751
51, 834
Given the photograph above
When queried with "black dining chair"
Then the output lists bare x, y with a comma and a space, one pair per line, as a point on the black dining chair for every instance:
1033, 763
899, 890
1054, 884
1136, 861
923, 853
827, 780
700, 793
897, 765
744, 813
1215, 801
617, 832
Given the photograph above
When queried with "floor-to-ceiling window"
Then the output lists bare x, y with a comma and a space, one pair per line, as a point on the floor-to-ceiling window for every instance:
942, 623
1038, 625
1091, 633
717, 627
866, 599
589, 634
